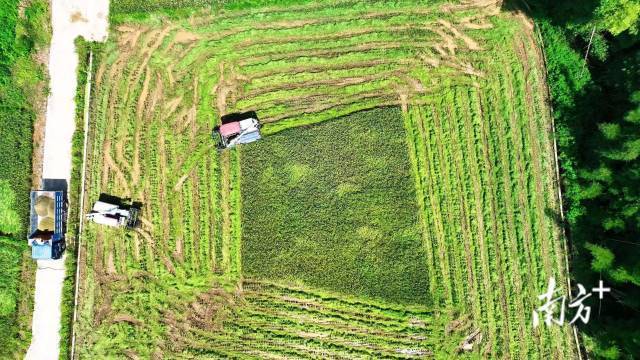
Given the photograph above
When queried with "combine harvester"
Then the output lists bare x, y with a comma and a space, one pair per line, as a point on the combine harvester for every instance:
112, 215
47, 224
234, 132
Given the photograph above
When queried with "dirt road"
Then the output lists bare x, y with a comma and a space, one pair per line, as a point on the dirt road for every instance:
70, 19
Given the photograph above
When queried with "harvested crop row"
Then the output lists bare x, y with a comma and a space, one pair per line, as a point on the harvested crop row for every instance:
492, 131
279, 322
135, 152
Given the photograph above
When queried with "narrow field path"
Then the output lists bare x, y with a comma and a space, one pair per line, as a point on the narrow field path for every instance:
70, 19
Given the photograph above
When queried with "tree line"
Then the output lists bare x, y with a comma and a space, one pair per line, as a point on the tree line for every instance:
593, 63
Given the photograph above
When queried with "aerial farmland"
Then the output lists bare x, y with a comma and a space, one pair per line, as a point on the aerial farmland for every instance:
319, 179
400, 203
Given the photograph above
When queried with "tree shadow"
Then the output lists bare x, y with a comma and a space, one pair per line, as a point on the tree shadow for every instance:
585, 96
560, 12
555, 216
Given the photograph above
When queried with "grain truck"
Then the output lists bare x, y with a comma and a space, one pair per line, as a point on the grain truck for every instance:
47, 224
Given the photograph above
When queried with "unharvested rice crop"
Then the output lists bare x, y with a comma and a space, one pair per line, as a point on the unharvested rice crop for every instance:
334, 206
466, 84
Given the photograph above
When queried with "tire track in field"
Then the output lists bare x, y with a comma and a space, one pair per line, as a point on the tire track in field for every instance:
400, 338
236, 225
454, 130
505, 138
415, 131
121, 135
297, 69
513, 267
164, 210
297, 112
436, 210
226, 211
446, 182
134, 73
300, 21
194, 178
178, 219
476, 180
289, 290
331, 52
152, 196
153, 41
179, 56
434, 27
180, 37
319, 96
528, 226
211, 200
472, 253
545, 150
337, 82
114, 75
122, 183
494, 230
536, 158
205, 218
129, 35
139, 125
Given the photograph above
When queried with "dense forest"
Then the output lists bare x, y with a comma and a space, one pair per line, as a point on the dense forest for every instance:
23, 33
593, 55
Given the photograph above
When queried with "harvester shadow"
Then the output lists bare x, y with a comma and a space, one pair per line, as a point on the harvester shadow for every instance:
225, 119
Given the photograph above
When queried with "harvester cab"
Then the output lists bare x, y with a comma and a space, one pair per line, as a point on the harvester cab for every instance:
47, 224
236, 131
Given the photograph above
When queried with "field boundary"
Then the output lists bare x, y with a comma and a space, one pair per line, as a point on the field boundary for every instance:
541, 45
87, 98
480, 146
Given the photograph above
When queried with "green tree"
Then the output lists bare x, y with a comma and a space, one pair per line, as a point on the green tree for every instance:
617, 16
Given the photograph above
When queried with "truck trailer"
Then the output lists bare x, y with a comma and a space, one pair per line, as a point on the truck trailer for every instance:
47, 224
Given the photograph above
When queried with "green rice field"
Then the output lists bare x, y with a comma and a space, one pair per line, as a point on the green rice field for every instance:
334, 206
403, 197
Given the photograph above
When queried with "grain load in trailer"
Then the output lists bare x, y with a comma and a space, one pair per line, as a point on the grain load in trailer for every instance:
47, 224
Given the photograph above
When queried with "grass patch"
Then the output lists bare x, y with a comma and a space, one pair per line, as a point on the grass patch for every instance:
334, 206
23, 34
10, 257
